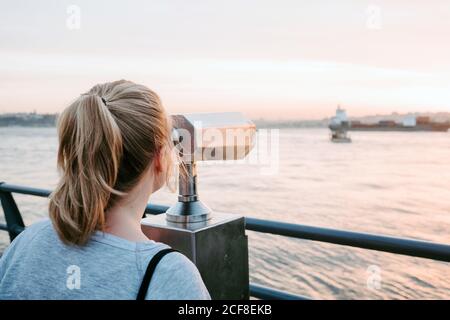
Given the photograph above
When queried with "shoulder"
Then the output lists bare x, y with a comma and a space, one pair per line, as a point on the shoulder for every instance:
36, 230
177, 278
22, 241
37, 227
181, 267
30, 233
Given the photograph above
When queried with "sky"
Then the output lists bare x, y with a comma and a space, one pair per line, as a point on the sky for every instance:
273, 59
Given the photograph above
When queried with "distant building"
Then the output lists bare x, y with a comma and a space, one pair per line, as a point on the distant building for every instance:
409, 121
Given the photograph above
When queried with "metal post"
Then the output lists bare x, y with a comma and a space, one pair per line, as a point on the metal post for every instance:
189, 208
12, 214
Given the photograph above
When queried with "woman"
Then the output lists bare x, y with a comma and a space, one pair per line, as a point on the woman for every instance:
114, 152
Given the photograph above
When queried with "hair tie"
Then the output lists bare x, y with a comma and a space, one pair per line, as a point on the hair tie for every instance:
104, 101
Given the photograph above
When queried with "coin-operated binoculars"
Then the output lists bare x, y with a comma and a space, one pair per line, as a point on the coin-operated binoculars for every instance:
214, 241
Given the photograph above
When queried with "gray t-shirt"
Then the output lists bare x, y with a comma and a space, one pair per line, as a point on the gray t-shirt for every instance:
38, 265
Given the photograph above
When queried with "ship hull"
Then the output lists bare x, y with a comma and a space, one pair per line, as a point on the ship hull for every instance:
443, 128
341, 140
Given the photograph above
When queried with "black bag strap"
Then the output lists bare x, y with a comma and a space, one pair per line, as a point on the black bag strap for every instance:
149, 272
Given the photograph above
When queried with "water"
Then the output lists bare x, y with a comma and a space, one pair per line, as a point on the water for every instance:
392, 183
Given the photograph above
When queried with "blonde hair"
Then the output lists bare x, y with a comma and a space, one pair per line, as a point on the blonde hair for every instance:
108, 138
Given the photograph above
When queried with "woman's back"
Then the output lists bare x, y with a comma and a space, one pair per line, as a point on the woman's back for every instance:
115, 150
38, 265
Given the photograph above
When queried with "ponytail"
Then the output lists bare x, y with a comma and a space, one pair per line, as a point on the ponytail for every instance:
89, 157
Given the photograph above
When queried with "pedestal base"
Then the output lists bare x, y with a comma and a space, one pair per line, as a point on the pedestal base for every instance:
218, 247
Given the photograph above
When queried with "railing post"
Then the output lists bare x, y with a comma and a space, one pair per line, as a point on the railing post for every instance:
12, 214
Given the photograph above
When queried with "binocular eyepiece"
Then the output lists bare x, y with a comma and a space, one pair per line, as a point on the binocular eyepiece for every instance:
205, 137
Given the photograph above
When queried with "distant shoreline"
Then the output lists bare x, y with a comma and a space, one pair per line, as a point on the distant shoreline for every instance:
259, 126
28, 120
37, 120
27, 126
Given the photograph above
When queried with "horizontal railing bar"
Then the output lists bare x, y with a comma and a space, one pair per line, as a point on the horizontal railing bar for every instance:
16, 229
266, 293
6, 187
155, 209
409, 247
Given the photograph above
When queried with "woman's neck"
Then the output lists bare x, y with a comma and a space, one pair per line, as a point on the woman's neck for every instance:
123, 219
123, 222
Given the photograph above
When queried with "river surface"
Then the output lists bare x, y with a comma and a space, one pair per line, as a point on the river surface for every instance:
392, 183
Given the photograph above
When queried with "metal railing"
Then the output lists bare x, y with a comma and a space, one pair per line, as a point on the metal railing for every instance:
410, 247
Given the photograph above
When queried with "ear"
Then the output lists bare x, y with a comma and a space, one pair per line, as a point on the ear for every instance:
157, 161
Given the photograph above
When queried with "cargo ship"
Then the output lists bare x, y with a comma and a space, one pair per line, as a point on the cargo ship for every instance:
409, 123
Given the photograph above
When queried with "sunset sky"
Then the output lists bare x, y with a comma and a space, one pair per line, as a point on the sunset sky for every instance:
275, 59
